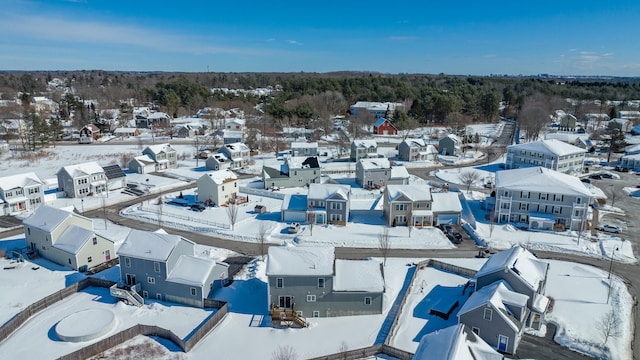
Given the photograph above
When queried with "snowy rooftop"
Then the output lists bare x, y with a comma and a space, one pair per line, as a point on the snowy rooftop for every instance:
399, 172
455, 342
83, 169
149, 245
498, 295
365, 143
19, 181
414, 192
191, 270
238, 146
294, 202
415, 142
551, 147
46, 218
300, 261
302, 145
632, 157
446, 202
374, 105
531, 269
371, 164
299, 162
221, 176
156, 149
541, 179
73, 238
358, 275
324, 191
145, 159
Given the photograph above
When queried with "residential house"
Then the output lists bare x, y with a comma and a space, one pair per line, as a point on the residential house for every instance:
235, 124
383, 127
407, 204
310, 282
295, 172
304, 149
20, 193
375, 109
217, 187
455, 342
153, 120
542, 198
66, 238
164, 155
237, 153
165, 267
567, 121
631, 162
294, 208
551, 154
497, 315
88, 134
186, 131
126, 132
217, 161
116, 178
82, 180
232, 137
142, 164
328, 203
376, 173
524, 274
450, 145
446, 208
361, 149
416, 150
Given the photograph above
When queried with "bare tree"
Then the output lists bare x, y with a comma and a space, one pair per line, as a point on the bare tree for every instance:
159, 203
609, 325
311, 220
343, 349
284, 352
232, 214
262, 238
410, 221
492, 222
468, 177
384, 244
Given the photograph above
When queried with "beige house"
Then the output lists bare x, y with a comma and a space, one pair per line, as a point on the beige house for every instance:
408, 204
66, 238
218, 186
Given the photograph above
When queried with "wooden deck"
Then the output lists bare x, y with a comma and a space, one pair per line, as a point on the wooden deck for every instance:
287, 317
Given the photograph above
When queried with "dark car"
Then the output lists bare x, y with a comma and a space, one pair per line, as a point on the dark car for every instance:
198, 207
606, 176
446, 229
621, 169
458, 237
595, 176
586, 181
453, 239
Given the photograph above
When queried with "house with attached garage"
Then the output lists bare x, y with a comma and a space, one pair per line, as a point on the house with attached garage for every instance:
116, 178
446, 208
416, 204
551, 154
81, 180
237, 153
20, 193
541, 198
375, 173
417, 150
142, 164
310, 282
296, 171
165, 267
305, 149
361, 149
328, 204
217, 161
66, 238
217, 187
164, 155
455, 342
497, 315
524, 274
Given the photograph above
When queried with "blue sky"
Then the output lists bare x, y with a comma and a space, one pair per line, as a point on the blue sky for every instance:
452, 37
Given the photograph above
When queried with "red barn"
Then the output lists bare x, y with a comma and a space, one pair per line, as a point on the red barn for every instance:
384, 127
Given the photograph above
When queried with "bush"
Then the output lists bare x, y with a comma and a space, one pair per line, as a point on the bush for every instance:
394, 223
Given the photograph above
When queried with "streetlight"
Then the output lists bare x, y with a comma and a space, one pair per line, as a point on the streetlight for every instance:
609, 277
82, 202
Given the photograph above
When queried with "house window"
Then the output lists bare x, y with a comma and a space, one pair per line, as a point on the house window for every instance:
193, 292
145, 294
151, 280
336, 206
488, 313
69, 259
279, 283
89, 259
156, 266
95, 240
222, 187
367, 300
127, 262
336, 217
401, 207
316, 313
475, 330
321, 282
28, 231
158, 296
401, 219
311, 298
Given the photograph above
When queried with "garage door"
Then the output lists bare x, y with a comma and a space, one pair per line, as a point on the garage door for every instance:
447, 219
294, 216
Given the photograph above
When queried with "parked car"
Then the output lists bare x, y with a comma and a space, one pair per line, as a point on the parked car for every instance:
458, 237
198, 207
293, 228
586, 181
595, 176
453, 239
621, 169
606, 176
609, 228
446, 228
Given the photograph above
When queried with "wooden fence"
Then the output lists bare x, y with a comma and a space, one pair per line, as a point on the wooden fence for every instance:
368, 352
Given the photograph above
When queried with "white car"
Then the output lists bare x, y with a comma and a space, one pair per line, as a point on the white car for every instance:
609, 228
293, 228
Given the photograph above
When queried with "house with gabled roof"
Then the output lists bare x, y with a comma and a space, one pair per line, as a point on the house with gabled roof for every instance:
311, 282
363, 148
631, 161
375, 173
296, 171
328, 203
142, 164
20, 193
450, 145
446, 208
217, 161
541, 198
66, 238
416, 150
88, 134
116, 178
305, 149
238, 154
164, 155
126, 132
82, 180
524, 273
165, 267
217, 187
384, 127
551, 154
407, 204
496, 314
456, 342
232, 136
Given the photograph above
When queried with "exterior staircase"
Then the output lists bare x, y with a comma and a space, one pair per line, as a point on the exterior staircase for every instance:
127, 293
288, 317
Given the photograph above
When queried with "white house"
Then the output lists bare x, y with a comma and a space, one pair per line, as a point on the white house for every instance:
217, 187
217, 161
363, 148
82, 180
238, 153
551, 154
455, 342
19, 193
304, 149
142, 164
416, 150
164, 155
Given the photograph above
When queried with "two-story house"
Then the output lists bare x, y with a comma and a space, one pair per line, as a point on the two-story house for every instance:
20, 193
88, 134
165, 267
524, 273
164, 155
416, 150
237, 153
235, 124
66, 238
454, 343
407, 204
310, 282
496, 314
450, 145
295, 172
217, 161
542, 198
304, 149
217, 187
328, 203
361, 149
82, 180
376, 173
551, 154
384, 127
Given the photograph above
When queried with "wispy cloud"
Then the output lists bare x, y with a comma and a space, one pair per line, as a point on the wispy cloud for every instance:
294, 42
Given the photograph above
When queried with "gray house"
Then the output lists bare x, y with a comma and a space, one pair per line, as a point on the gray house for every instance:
78, 181
304, 149
328, 203
524, 273
310, 282
237, 153
496, 314
164, 155
361, 149
375, 173
449, 145
164, 267
408, 204
295, 172
455, 342
142, 164
217, 161
416, 150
